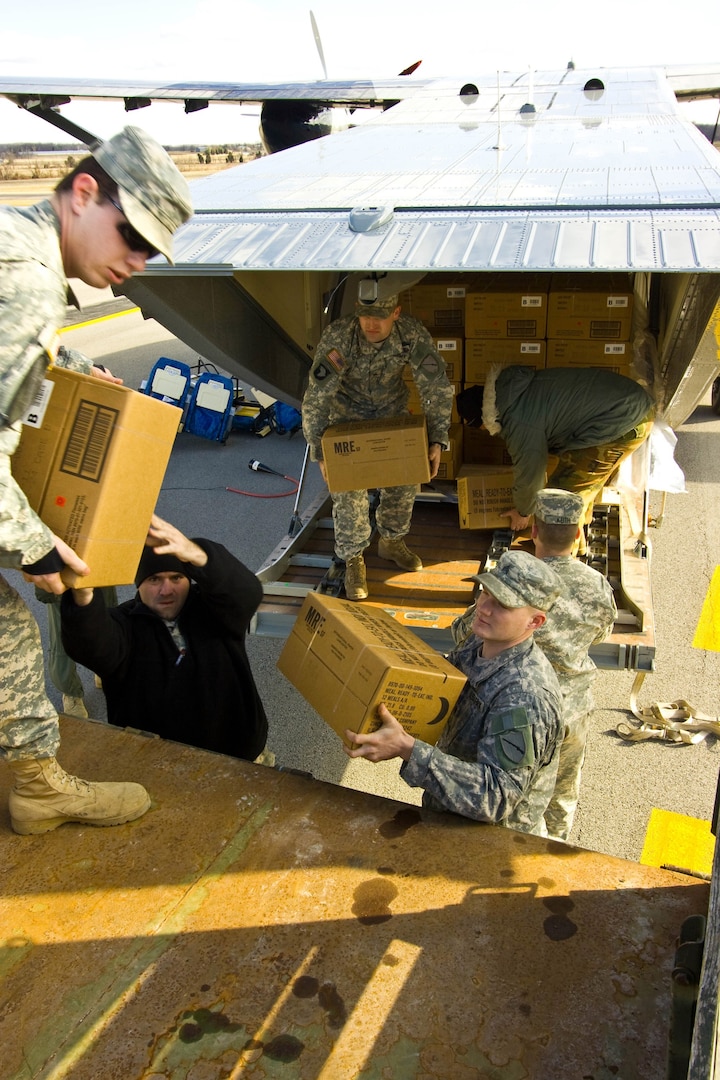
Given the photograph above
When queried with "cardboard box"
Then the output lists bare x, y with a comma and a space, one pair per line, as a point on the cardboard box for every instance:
451, 459
345, 658
484, 493
508, 306
482, 448
451, 350
415, 406
91, 461
591, 306
376, 453
482, 353
440, 305
613, 355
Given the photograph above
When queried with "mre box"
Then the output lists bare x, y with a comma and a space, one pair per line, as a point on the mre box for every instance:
485, 495
91, 461
376, 453
346, 658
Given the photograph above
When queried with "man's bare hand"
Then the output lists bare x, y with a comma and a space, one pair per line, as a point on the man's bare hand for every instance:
434, 455
103, 373
389, 741
322, 470
517, 521
167, 540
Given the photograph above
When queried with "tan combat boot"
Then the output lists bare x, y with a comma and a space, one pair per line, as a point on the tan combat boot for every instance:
44, 796
397, 551
355, 578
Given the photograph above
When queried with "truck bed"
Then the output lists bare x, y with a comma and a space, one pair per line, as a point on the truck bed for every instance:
259, 923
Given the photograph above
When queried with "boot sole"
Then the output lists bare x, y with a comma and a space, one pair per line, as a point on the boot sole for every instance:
34, 828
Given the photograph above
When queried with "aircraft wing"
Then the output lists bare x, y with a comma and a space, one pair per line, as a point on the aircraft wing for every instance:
355, 93
689, 82
566, 170
694, 83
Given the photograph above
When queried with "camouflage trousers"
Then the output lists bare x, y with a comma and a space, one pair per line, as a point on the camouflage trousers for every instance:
561, 809
28, 721
351, 517
586, 471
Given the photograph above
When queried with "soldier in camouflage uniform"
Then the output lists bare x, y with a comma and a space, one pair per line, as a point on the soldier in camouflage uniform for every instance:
496, 759
104, 220
358, 375
582, 616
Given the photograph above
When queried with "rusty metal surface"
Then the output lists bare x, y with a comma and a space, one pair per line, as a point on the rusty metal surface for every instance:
261, 924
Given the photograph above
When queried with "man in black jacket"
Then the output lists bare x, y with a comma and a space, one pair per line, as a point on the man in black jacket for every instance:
173, 660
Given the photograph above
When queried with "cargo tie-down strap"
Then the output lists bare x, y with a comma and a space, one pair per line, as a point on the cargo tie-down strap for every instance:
676, 722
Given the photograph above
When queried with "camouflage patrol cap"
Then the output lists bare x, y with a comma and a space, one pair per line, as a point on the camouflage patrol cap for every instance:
154, 195
557, 507
381, 308
521, 580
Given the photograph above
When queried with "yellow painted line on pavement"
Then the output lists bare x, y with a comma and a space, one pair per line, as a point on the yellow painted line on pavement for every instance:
707, 632
100, 318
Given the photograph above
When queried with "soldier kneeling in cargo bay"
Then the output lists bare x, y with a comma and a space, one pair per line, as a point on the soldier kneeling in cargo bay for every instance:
496, 761
358, 375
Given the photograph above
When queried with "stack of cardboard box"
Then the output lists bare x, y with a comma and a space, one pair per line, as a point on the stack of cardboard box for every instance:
440, 306
590, 322
536, 320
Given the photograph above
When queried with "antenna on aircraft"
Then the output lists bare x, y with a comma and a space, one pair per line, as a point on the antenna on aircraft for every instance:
318, 42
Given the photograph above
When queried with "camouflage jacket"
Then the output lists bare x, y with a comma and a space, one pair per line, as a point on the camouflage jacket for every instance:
583, 616
352, 379
33, 303
495, 761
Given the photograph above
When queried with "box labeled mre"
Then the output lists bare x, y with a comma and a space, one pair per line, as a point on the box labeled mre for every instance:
346, 658
376, 453
485, 495
91, 461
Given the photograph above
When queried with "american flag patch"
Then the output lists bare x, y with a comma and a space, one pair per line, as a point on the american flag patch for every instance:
336, 359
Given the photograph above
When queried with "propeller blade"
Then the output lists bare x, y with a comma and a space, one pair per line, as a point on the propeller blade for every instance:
318, 42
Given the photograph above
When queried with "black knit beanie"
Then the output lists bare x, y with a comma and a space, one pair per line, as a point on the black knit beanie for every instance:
150, 563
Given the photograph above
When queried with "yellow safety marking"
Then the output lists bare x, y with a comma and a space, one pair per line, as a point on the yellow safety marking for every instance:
100, 318
707, 632
678, 841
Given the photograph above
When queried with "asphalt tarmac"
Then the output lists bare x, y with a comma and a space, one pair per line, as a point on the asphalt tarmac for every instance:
622, 781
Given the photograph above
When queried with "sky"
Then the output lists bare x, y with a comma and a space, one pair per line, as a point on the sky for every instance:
272, 41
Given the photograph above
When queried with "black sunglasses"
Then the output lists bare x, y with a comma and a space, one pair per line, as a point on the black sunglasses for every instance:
134, 240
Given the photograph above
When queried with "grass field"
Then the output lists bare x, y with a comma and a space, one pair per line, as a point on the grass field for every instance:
23, 181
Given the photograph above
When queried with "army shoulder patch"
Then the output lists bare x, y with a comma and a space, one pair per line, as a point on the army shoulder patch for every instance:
513, 738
